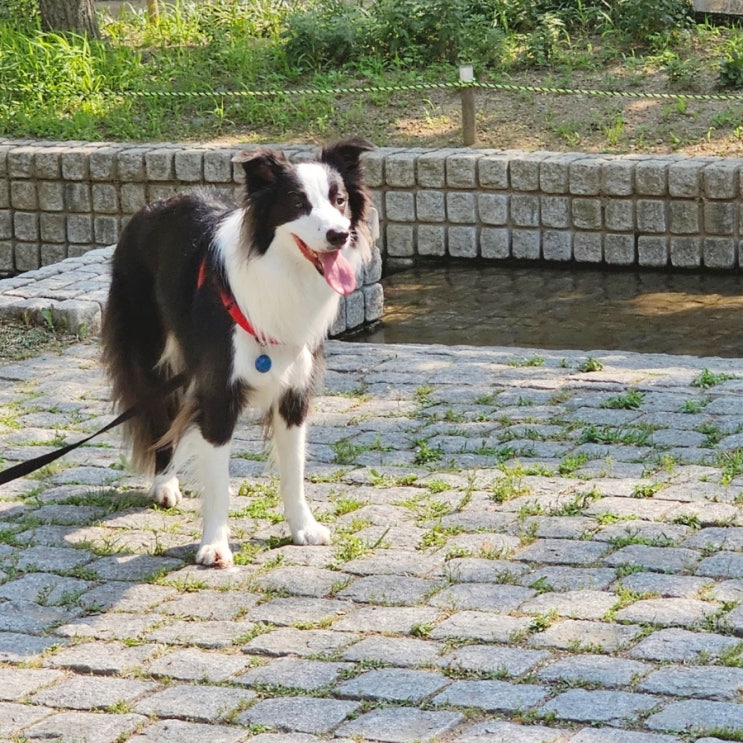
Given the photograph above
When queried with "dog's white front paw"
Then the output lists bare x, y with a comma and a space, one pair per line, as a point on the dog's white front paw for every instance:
218, 555
311, 533
166, 493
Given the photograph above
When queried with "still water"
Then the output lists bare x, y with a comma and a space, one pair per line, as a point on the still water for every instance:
564, 308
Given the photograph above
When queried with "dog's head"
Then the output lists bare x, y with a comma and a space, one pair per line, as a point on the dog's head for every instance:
315, 212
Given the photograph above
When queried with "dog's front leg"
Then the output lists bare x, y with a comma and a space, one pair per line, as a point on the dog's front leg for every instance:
289, 448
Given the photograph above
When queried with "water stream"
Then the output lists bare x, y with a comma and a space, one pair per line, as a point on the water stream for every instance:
564, 308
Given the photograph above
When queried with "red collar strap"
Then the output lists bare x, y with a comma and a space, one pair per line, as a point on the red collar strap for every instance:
229, 303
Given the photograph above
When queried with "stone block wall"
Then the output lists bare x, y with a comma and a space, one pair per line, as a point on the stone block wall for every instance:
62, 199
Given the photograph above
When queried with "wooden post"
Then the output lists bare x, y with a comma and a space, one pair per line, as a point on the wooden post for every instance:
469, 135
153, 11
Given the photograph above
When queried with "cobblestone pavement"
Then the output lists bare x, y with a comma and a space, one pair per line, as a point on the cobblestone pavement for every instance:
529, 546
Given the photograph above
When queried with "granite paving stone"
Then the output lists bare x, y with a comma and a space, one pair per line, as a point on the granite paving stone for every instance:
592, 594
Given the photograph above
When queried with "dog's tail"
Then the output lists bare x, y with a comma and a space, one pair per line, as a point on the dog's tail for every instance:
134, 347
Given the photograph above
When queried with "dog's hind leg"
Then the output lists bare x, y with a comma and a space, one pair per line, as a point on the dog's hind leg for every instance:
289, 434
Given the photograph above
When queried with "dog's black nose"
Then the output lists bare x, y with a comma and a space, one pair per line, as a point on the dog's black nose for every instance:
336, 238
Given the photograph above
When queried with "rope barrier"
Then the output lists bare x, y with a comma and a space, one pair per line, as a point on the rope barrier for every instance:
370, 89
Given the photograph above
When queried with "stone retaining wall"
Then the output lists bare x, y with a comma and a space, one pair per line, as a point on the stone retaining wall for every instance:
59, 200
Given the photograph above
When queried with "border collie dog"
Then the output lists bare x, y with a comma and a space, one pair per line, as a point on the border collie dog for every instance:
237, 300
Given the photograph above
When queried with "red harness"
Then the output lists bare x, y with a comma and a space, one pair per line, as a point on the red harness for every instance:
229, 303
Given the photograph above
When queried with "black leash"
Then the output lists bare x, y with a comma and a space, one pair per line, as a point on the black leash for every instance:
25, 468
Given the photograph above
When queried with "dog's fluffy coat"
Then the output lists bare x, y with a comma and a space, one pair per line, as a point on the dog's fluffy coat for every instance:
285, 255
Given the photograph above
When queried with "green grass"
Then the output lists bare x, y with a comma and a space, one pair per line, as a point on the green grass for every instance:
68, 87
629, 401
706, 379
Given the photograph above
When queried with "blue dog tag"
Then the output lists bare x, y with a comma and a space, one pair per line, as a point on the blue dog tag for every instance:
263, 363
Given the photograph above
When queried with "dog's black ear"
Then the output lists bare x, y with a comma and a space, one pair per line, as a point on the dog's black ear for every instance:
346, 155
262, 167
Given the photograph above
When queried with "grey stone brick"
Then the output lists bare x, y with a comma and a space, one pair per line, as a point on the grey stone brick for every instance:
683, 217
394, 684
460, 207
723, 564
51, 196
526, 244
616, 735
159, 164
26, 226
291, 673
652, 250
92, 727
400, 240
77, 315
26, 256
20, 162
130, 164
4, 194
555, 211
6, 257
617, 177
524, 171
431, 170
23, 195
557, 245
304, 714
588, 247
75, 164
492, 696
192, 664
110, 658
481, 626
682, 646
47, 163
620, 215
651, 215
80, 228
651, 177
582, 634
431, 240
88, 693
619, 250
461, 170
562, 552
585, 176
17, 683
492, 170
697, 716
586, 214
53, 227
77, 197
397, 651
684, 178
400, 206
200, 703
525, 210
132, 196
218, 165
105, 198
495, 242
610, 707
668, 611
719, 252
487, 659
554, 174
373, 168
106, 230
484, 596
430, 206
6, 225
719, 218
499, 731
719, 684
400, 169
493, 208
303, 643
601, 670
102, 163
388, 590
400, 725
686, 252
189, 165
180, 731
721, 179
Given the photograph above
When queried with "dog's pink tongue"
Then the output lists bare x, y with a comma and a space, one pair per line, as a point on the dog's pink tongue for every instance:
338, 272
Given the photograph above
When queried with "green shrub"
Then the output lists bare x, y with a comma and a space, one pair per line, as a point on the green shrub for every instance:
645, 20
731, 64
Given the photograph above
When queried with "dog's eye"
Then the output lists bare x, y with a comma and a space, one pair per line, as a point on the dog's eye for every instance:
340, 200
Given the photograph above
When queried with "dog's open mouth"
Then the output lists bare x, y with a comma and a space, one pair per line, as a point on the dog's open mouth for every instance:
331, 265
